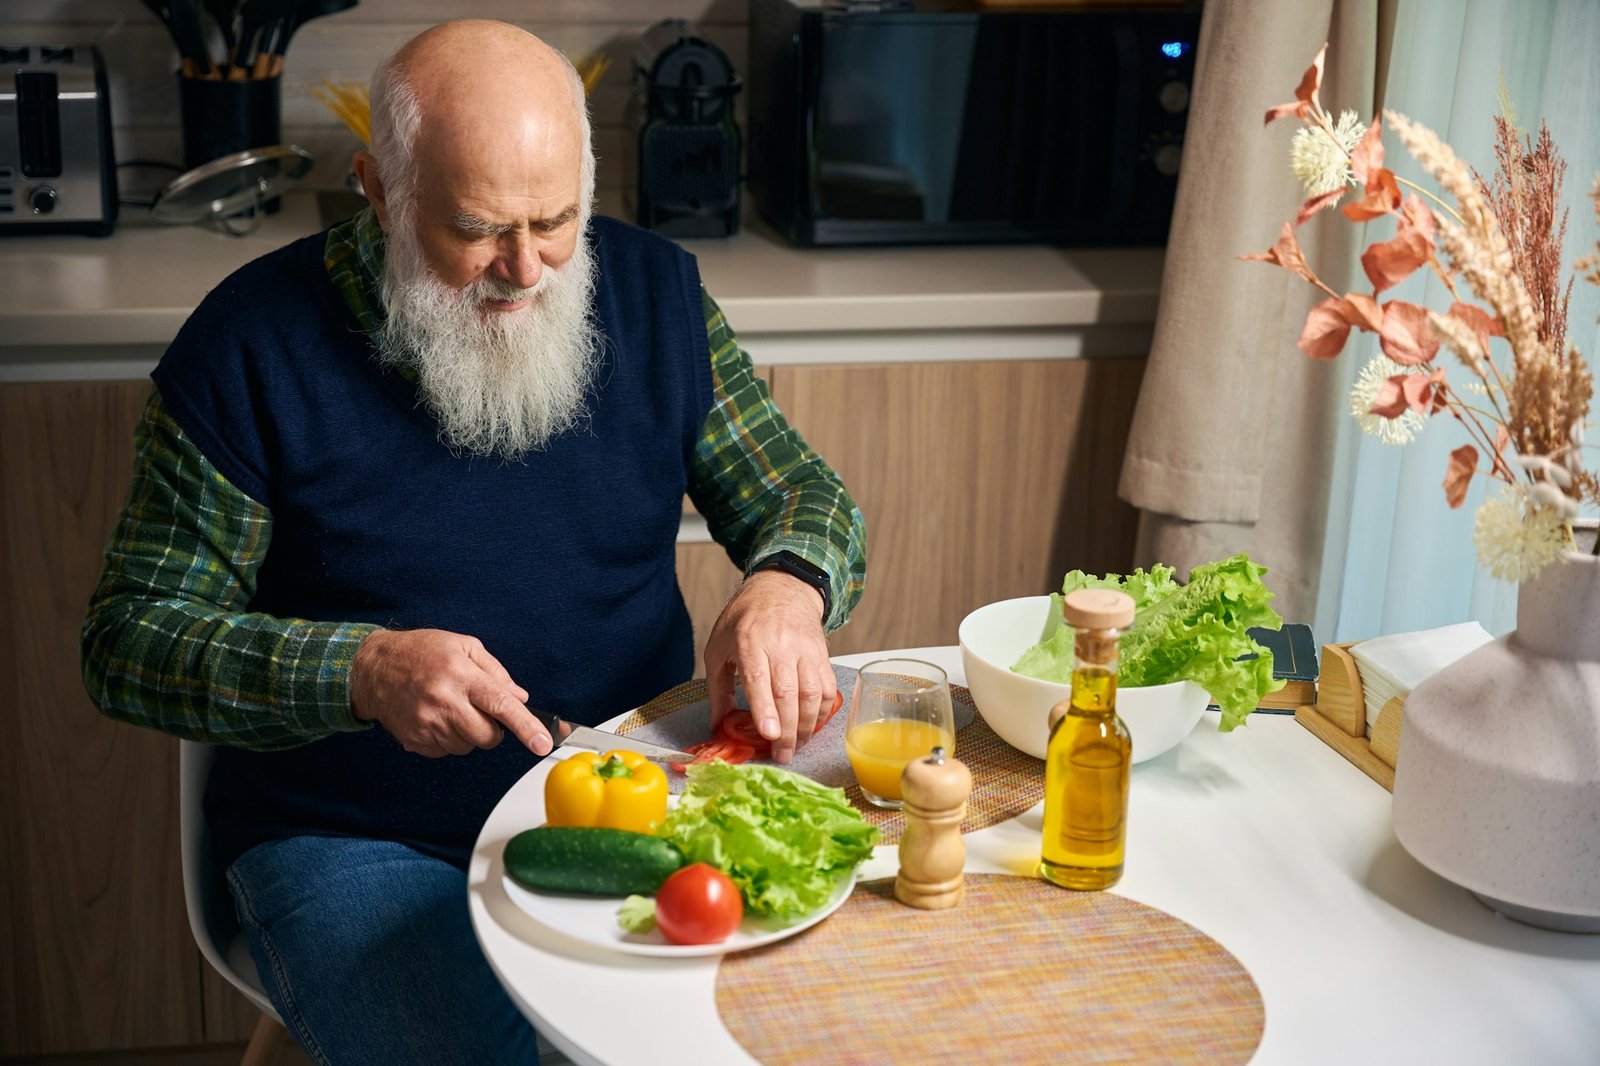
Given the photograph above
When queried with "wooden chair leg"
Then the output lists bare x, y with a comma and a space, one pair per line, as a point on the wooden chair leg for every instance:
265, 1043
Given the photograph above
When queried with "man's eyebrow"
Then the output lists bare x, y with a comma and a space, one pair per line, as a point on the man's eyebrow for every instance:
569, 215
467, 222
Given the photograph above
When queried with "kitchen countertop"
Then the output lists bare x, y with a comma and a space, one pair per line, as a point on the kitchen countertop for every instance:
81, 298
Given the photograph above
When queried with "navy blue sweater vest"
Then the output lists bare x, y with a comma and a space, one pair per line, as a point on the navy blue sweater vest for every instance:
562, 564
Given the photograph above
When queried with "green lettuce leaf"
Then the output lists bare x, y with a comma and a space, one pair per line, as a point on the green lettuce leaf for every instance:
783, 839
1200, 633
638, 914
1147, 589
1194, 632
1051, 658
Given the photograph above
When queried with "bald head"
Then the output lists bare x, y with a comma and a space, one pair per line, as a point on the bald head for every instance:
482, 177
478, 103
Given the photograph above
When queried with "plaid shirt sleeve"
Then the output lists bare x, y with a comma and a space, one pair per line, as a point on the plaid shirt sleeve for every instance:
762, 489
169, 643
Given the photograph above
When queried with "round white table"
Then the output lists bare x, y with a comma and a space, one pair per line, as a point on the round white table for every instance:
1265, 839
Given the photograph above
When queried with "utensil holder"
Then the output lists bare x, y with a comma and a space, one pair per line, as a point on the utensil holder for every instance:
223, 117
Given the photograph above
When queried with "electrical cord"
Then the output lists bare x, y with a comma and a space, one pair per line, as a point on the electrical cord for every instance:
158, 163
149, 164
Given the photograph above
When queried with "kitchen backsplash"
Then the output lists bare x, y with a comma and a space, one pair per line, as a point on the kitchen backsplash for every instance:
142, 63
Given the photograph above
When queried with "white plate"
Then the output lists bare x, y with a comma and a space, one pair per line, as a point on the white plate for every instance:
594, 921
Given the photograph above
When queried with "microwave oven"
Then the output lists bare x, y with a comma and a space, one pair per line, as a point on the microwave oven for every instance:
924, 121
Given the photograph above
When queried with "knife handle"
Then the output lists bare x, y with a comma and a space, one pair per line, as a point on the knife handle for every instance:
559, 730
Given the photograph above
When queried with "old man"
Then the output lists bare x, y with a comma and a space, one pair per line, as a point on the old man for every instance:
401, 479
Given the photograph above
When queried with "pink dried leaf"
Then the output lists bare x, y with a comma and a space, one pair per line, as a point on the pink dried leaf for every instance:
1424, 393
1367, 155
1382, 197
1280, 110
1286, 253
1416, 217
1463, 464
1326, 330
1388, 263
1317, 203
1502, 437
1363, 312
1406, 336
1479, 321
1390, 401
1276, 112
1306, 103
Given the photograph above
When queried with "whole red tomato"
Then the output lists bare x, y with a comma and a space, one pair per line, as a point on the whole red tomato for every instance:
698, 905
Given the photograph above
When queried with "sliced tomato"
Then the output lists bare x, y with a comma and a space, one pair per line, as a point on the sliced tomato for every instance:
739, 726
717, 748
824, 719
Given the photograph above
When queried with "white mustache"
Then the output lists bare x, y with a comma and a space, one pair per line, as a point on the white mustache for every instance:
490, 287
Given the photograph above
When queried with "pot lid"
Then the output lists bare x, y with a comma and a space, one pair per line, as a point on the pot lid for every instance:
231, 184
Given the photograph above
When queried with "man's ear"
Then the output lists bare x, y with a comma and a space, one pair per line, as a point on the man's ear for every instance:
366, 168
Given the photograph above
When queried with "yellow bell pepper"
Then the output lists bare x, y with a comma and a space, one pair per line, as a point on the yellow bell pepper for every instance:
617, 790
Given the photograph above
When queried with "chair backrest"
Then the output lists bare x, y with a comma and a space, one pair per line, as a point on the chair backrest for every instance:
212, 919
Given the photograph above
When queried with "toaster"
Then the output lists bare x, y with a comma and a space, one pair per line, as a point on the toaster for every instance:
57, 171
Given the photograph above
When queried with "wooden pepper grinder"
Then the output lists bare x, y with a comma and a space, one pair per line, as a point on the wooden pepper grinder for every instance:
935, 790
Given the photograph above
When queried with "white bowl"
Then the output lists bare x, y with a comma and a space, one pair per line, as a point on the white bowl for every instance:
1017, 707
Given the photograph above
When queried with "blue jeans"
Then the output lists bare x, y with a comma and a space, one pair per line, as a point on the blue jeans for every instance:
367, 951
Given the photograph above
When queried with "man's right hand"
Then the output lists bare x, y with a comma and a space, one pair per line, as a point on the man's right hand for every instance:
440, 693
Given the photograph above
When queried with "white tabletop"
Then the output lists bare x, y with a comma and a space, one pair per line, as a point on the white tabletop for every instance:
1265, 839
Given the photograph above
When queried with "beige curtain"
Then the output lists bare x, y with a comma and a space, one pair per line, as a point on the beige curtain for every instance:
1231, 444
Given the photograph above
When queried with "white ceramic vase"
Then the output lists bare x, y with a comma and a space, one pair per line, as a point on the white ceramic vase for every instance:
1497, 786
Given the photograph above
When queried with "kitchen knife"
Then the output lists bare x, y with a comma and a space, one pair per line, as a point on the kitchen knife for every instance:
569, 734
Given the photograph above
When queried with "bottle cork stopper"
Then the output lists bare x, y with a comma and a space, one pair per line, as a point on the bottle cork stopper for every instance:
1098, 609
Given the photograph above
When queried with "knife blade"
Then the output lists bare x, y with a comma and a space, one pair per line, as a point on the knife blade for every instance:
570, 734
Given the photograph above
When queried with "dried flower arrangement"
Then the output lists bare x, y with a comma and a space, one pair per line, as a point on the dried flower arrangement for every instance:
1504, 240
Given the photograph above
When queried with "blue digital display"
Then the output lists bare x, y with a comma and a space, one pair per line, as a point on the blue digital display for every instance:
1174, 49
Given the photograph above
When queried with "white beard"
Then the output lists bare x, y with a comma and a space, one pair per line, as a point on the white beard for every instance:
503, 383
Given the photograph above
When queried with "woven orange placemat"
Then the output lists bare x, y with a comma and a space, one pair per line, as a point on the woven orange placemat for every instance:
1021, 972
1005, 781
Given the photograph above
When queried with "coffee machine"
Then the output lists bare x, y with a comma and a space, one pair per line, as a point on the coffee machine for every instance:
681, 157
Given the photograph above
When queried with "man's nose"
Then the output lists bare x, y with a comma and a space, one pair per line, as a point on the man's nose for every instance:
519, 261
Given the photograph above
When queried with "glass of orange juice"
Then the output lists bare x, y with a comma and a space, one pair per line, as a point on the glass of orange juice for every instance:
900, 711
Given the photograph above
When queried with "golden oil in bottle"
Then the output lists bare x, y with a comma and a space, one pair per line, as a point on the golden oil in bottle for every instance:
1089, 756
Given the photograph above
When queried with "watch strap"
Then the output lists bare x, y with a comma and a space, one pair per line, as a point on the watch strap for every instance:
796, 566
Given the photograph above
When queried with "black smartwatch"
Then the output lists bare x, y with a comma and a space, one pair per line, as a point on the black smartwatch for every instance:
790, 563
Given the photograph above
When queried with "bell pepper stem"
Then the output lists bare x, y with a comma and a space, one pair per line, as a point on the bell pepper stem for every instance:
613, 767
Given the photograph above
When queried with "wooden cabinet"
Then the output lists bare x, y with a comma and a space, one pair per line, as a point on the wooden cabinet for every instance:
979, 481
97, 951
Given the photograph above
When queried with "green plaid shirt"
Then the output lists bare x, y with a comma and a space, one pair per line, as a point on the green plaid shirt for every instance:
169, 641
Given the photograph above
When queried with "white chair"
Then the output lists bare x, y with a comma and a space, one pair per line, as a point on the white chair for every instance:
212, 919
214, 922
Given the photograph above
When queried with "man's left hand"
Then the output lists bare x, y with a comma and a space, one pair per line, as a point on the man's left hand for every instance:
770, 637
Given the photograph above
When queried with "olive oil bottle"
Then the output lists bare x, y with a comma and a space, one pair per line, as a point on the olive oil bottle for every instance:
1089, 755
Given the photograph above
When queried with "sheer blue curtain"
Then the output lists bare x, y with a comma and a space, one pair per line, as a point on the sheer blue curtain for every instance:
1396, 558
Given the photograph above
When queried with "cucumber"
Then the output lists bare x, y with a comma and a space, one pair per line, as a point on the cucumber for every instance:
591, 861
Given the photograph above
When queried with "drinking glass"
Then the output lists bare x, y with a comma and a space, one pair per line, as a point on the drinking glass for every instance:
899, 711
